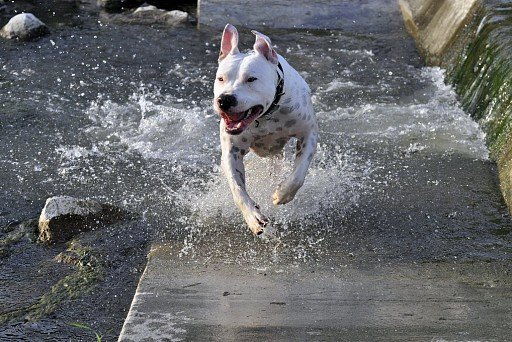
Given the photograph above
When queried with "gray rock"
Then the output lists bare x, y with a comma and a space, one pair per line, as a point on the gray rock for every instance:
64, 217
176, 17
146, 8
24, 26
150, 15
117, 5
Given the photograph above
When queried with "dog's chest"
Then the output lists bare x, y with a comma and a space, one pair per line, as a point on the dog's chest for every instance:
269, 135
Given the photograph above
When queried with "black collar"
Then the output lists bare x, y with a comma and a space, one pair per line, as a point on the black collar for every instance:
279, 92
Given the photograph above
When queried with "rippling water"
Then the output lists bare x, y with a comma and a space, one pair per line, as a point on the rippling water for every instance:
129, 120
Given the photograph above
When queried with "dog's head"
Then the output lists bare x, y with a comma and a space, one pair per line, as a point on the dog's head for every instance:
245, 83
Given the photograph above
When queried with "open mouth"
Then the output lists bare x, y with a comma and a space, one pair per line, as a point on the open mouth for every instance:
237, 122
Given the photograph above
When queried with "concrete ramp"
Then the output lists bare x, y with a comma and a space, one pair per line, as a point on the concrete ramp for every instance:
186, 301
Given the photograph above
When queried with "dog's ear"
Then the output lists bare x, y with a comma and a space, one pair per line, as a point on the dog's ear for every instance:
263, 46
229, 42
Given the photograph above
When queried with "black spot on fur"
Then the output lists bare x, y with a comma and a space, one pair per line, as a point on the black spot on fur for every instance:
276, 148
300, 144
285, 110
240, 174
290, 123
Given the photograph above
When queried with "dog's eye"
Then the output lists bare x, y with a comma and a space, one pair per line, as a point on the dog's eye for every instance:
220, 79
251, 79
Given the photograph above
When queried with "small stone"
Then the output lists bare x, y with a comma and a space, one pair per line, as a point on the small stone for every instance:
117, 5
153, 15
149, 15
176, 17
24, 26
145, 8
64, 217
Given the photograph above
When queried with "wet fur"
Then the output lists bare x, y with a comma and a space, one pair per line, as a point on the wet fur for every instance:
267, 135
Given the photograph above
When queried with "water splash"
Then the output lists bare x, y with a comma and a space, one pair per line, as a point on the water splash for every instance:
193, 198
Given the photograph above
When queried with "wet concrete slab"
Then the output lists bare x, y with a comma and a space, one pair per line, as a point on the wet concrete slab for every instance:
352, 15
177, 300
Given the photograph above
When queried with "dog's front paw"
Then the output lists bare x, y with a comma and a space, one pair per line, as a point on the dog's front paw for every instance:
255, 220
284, 193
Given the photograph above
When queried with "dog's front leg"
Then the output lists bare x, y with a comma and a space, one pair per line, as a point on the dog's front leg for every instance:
306, 147
233, 167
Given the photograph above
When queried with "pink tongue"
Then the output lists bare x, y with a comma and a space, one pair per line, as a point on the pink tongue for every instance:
237, 117
235, 120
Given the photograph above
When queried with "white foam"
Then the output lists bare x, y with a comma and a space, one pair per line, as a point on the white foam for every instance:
334, 183
339, 85
75, 152
156, 127
439, 122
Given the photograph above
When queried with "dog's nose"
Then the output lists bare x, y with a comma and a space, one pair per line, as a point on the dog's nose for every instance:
226, 101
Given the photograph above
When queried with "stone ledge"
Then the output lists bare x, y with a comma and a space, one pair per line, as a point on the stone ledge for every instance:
434, 24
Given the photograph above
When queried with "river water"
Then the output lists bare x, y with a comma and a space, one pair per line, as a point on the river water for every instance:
122, 113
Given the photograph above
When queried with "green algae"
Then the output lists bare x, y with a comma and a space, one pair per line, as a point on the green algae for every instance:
482, 76
89, 270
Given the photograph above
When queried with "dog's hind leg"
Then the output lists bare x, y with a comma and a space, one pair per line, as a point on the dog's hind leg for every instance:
306, 147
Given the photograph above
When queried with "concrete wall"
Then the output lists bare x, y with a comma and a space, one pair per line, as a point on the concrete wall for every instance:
434, 24
472, 39
367, 15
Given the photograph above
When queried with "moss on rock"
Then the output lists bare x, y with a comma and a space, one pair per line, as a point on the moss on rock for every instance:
89, 271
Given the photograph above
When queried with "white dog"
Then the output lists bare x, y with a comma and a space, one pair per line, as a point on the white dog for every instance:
263, 102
